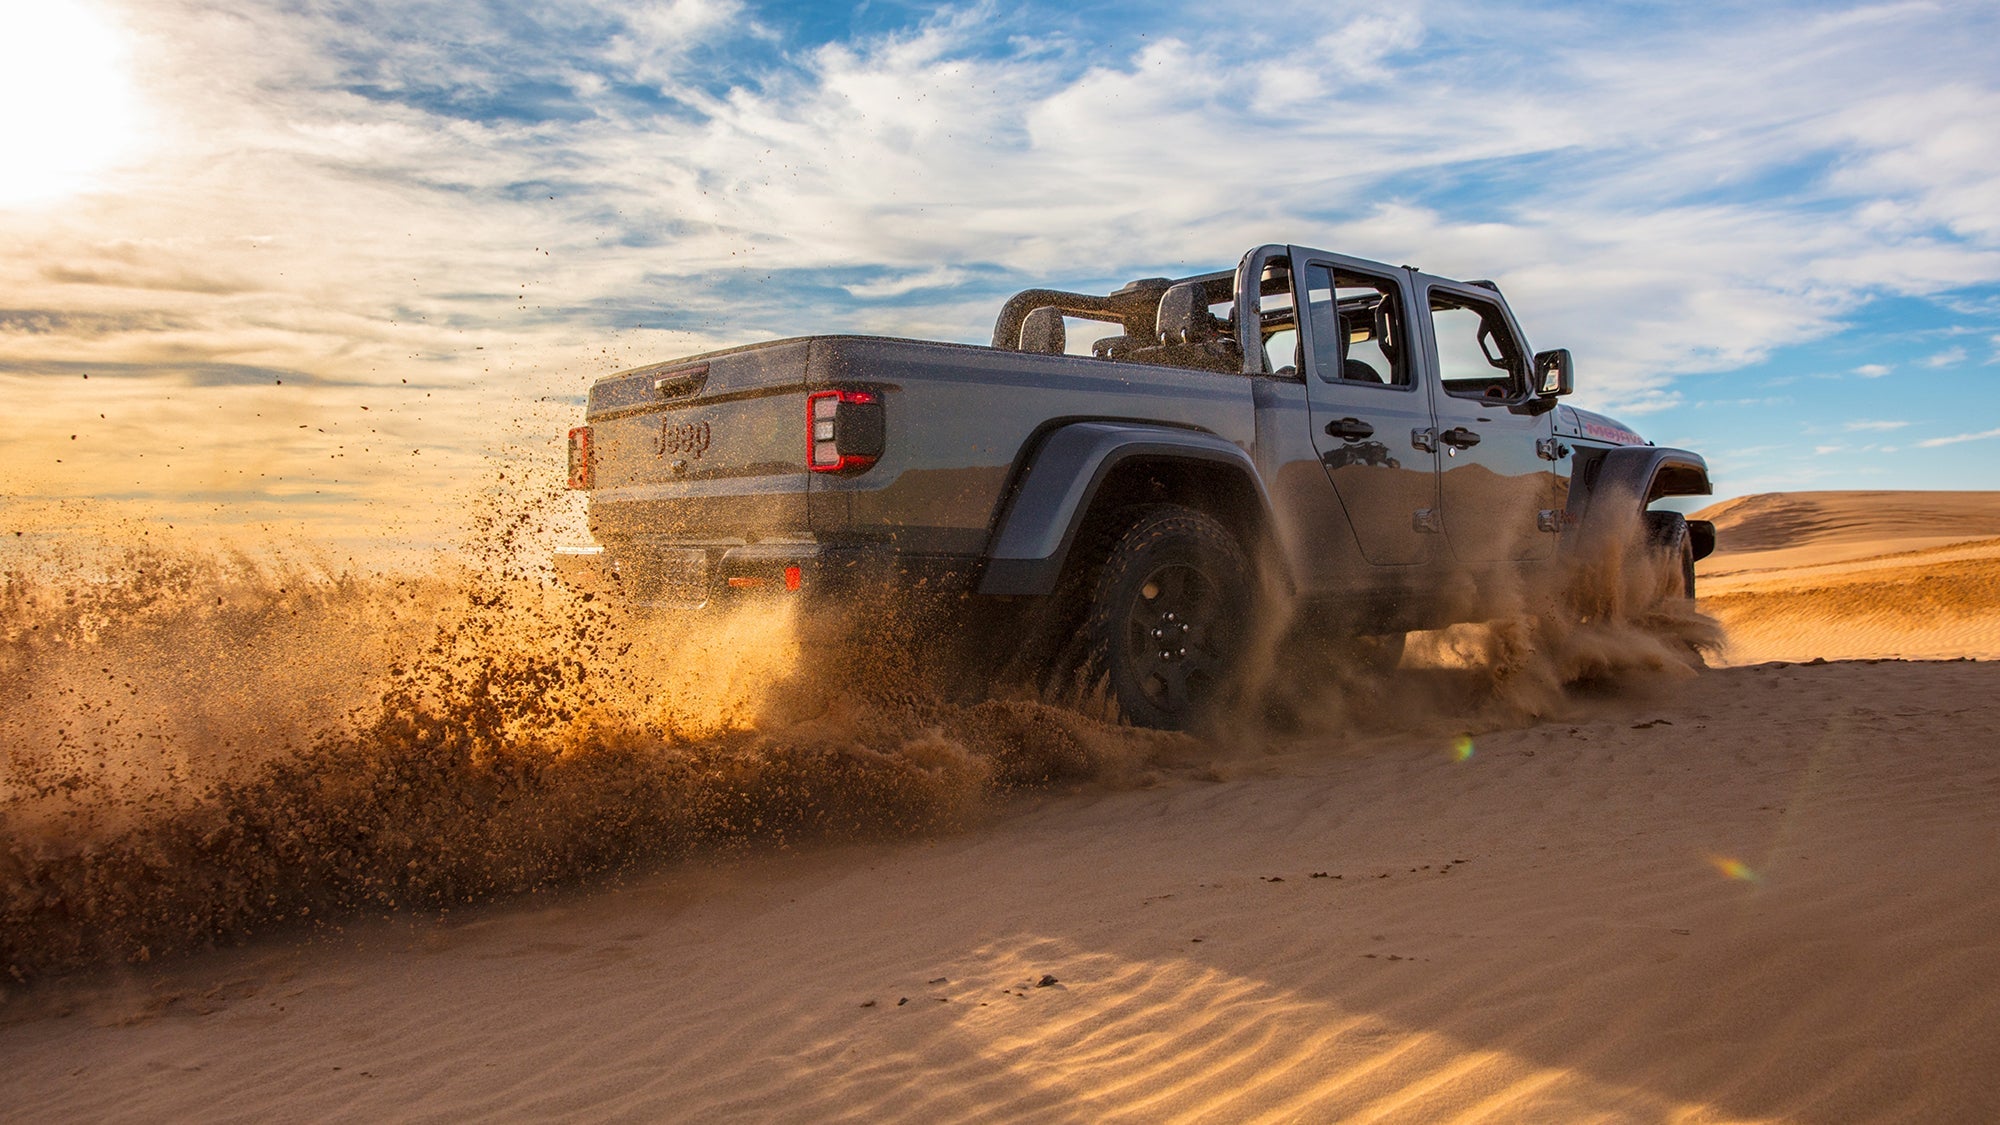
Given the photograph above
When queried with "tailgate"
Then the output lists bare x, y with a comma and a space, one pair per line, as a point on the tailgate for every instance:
709, 448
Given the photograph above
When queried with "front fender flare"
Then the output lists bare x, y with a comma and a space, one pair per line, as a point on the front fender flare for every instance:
1054, 494
1634, 476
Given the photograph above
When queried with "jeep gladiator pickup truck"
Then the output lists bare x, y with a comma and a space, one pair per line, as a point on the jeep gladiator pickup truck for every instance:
1121, 477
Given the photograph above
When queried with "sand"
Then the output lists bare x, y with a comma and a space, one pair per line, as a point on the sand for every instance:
1767, 892
1856, 575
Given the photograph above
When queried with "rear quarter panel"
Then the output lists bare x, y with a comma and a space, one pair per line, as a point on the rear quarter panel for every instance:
964, 420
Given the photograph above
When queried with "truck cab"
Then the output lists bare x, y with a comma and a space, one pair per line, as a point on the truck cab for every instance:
1405, 429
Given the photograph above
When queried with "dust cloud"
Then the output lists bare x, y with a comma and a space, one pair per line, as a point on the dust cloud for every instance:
200, 748
197, 746
1606, 618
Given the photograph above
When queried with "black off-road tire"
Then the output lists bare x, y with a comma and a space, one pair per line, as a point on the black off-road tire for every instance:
1667, 536
1168, 616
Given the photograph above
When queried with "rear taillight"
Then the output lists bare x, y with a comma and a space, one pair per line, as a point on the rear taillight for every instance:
582, 472
794, 578
844, 430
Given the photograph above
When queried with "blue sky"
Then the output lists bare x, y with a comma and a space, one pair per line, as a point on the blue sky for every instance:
332, 261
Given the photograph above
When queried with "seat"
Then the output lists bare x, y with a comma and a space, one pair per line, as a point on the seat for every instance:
1190, 336
1042, 332
1355, 371
1183, 317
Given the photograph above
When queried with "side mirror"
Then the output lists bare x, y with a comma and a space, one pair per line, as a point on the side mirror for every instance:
1555, 373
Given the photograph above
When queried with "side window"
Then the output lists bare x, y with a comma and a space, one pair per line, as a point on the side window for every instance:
1357, 328
1277, 322
1477, 354
1281, 351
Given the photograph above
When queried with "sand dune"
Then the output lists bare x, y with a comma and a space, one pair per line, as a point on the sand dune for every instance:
1856, 575
1882, 521
1768, 892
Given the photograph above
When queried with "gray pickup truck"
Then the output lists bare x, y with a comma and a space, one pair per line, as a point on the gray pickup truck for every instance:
1117, 479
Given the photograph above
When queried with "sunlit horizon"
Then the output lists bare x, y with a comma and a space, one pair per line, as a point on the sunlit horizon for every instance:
337, 271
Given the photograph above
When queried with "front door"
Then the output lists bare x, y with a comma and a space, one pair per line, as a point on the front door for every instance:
1496, 485
1368, 406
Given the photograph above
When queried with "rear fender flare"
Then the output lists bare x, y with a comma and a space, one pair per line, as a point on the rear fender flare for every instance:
1634, 476
1054, 493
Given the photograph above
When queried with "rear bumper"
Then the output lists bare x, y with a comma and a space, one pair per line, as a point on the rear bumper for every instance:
585, 568
682, 576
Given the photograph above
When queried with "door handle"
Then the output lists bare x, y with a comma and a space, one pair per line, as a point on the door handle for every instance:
685, 381
1458, 437
1349, 429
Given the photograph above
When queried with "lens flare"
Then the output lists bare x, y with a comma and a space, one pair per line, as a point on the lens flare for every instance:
1461, 748
1735, 869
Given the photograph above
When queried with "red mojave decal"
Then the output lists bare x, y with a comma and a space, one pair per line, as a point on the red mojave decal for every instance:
1619, 434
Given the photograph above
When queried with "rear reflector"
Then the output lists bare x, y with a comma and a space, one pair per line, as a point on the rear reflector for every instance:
792, 578
844, 430
582, 473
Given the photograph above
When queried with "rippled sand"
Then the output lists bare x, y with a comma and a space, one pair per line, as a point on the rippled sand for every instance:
1765, 891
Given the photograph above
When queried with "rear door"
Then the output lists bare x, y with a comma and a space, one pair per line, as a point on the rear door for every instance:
1368, 403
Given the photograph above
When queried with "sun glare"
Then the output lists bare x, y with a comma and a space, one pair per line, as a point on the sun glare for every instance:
72, 109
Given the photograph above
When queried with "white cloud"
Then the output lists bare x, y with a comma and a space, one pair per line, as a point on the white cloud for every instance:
658, 37
1950, 357
1873, 370
937, 278
1360, 47
1956, 439
1765, 402
568, 188
1927, 153
1881, 424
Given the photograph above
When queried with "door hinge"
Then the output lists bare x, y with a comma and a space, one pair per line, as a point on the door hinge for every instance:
1426, 440
1549, 519
1549, 449
1426, 519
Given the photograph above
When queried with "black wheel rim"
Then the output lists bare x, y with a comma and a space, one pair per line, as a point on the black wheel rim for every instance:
1173, 636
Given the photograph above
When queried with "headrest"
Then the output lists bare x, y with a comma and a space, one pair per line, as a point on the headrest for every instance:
1042, 331
1184, 315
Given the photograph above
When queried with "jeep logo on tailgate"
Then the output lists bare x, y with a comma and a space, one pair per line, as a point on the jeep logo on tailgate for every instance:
690, 438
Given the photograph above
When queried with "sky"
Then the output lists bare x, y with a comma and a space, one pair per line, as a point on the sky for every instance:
342, 268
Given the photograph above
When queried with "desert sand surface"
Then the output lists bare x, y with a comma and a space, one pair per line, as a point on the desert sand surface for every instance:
1855, 575
1767, 891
